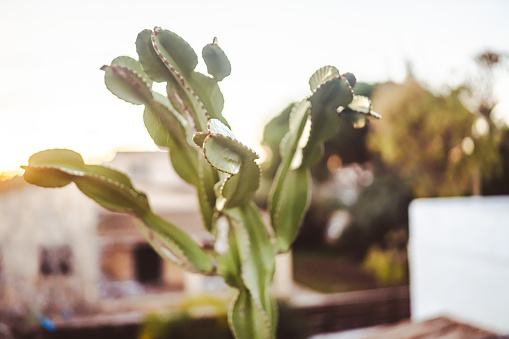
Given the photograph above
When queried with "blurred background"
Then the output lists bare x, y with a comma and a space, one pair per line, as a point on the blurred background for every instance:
437, 71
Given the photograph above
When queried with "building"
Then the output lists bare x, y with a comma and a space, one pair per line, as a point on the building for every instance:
61, 254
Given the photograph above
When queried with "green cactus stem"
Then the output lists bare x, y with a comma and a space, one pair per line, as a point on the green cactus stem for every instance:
205, 153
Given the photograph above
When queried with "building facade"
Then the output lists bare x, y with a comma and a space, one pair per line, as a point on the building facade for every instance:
61, 253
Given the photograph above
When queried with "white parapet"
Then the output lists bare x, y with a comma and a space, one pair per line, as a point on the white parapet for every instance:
459, 260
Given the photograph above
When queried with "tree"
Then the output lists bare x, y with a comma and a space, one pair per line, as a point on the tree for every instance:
437, 144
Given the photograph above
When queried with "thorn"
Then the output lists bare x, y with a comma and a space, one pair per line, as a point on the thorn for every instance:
104, 67
375, 115
214, 41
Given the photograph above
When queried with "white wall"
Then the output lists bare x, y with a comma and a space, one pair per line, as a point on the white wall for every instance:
33, 217
152, 173
459, 260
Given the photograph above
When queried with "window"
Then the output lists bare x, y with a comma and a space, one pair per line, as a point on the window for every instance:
56, 260
148, 265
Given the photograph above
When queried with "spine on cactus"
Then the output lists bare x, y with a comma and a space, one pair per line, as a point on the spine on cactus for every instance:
204, 152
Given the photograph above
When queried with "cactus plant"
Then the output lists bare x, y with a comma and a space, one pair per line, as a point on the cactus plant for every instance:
205, 153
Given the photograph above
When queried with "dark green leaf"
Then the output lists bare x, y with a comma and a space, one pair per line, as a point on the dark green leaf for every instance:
324, 118
175, 245
169, 129
216, 60
210, 94
240, 188
224, 153
180, 53
352, 80
148, 57
291, 159
246, 320
257, 264
206, 194
291, 207
126, 79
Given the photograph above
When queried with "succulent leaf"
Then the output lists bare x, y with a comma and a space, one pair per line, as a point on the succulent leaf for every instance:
229, 263
291, 206
334, 92
159, 64
216, 60
109, 188
45, 168
321, 76
311, 122
360, 104
324, 120
132, 64
257, 262
167, 128
291, 159
169, 58
350, 77
165, 125
220, 156
175, 245
246, 319
358, 111
226, 154
61, 159
148, 57
113, 190
240, 188
297, 137
221, 149
126, 79
46, 177
208, 177
209, 92
179, 53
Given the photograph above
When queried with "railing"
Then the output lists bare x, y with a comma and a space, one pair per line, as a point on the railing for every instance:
315, 313
343, 311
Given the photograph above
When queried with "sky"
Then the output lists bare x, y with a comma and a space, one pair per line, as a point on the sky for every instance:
52, 92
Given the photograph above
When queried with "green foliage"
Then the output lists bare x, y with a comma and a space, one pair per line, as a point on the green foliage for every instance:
389, 265
442, 149
183, 323
205, 153
212, 322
